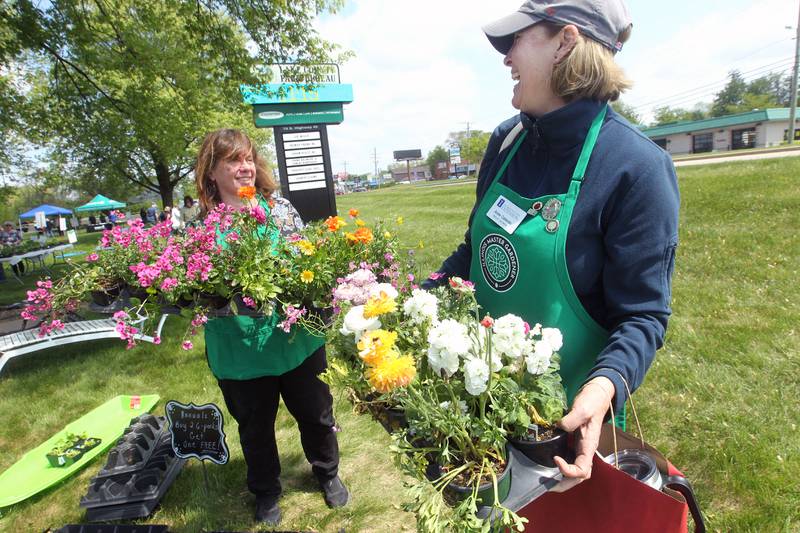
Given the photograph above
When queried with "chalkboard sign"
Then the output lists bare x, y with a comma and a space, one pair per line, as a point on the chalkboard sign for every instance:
197, 431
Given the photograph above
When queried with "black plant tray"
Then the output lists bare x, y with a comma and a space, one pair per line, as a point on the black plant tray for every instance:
134, 448
146, 484
118, 528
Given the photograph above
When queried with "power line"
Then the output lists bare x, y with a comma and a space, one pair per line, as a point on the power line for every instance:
745, 73
712, 88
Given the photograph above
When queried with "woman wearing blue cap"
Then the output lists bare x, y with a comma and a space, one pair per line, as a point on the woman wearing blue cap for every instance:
581, 206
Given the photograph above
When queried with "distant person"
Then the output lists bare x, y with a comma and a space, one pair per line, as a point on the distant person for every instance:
189, 211
163, 216
152, 213
177, 220
92, 220
74, 222
10, 236
143, 215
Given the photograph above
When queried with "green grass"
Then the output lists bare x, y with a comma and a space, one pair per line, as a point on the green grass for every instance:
721, 400
12, 291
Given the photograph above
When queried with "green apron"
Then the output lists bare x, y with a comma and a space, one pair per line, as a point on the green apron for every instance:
525, 272
244, 347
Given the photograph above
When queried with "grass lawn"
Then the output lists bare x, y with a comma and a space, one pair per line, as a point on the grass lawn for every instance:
720, 400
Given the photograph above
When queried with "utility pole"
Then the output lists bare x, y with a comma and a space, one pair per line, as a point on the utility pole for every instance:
793, 95
375, 161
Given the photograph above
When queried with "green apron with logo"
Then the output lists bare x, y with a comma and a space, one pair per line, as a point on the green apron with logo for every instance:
245, 347
525, 272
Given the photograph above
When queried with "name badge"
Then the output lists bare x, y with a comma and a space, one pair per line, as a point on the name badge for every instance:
506, 214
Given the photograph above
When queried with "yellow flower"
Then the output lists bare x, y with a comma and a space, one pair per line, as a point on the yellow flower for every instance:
306, 276
362, 235
306, 247
376, 345
360, 222
421, 245
387, 235
399, 221
379, 305
391, 373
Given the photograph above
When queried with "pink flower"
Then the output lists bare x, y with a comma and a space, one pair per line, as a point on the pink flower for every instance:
487, 321
527, 327
292, 315
294, 237
92, 257
198, 320
156, 340
168, 284
120, 315
249, 302
187, 345
435, 275
259, 214
232, 237
410, 277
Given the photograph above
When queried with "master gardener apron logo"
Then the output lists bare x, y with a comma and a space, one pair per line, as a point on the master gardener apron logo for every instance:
499, 262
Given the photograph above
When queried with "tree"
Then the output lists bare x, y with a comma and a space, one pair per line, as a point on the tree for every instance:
472, 144
435, 156
126, 89
627, 111
731, 97
668, 115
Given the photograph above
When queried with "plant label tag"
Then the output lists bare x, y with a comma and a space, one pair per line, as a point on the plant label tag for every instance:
506, 214
136, 402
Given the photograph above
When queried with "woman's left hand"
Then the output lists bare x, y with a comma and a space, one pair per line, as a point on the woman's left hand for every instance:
585, 419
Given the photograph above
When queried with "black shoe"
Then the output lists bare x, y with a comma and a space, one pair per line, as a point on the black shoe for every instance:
267, 510
336, 494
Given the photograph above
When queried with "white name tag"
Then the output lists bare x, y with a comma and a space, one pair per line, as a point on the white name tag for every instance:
506, 214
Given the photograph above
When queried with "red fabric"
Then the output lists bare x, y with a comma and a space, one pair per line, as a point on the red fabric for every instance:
609, 502
672, 471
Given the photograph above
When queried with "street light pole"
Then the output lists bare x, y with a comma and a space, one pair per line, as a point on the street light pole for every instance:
793, 93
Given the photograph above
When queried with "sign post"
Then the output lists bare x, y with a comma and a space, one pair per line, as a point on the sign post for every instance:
299, 113
197, 432
408, 156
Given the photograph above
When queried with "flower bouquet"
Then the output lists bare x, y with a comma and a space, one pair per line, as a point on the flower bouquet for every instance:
464, 383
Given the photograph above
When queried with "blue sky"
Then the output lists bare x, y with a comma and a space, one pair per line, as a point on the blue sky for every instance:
423, 68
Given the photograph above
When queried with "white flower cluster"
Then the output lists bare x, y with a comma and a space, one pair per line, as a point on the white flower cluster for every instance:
448, 340
421, 307
355, 323
510, 337
538, 361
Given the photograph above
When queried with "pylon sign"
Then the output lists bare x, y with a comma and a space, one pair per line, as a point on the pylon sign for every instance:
299, 114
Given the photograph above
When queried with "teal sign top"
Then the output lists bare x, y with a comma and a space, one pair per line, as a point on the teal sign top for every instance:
295, 93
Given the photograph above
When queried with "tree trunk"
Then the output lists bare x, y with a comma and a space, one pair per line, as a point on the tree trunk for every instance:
165, 185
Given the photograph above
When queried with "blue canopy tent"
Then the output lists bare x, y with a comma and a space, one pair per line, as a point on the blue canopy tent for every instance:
100, 203
47, 209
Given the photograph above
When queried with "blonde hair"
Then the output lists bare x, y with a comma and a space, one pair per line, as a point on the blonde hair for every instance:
224, 145
589, 71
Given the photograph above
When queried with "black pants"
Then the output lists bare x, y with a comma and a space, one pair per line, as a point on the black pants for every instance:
254, 405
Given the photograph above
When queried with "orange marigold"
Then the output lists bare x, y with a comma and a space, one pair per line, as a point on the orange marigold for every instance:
362, 235
353, 212
334, 223
246, 193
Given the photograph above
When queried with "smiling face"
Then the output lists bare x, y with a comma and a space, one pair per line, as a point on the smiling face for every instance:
230, 174
531, 59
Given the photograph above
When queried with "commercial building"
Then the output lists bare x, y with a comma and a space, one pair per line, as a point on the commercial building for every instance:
753, 129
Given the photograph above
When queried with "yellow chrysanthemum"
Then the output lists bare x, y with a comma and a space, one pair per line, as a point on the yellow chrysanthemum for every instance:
379, 305
376, 345
360, 222
387, 235
306, 276
399, 221
306, 247
391, 373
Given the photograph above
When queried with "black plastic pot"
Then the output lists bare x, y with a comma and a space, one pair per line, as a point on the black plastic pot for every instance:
106, 296
486, 490
543, 451
212, 301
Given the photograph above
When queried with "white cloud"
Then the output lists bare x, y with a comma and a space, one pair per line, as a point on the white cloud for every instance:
423, 67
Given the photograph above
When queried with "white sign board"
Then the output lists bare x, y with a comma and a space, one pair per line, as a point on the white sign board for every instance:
72, 237
316, 74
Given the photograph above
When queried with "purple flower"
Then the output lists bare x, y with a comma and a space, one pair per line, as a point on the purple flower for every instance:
187, 345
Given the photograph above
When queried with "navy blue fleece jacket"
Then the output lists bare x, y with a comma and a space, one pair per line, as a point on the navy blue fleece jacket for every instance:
624, 230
